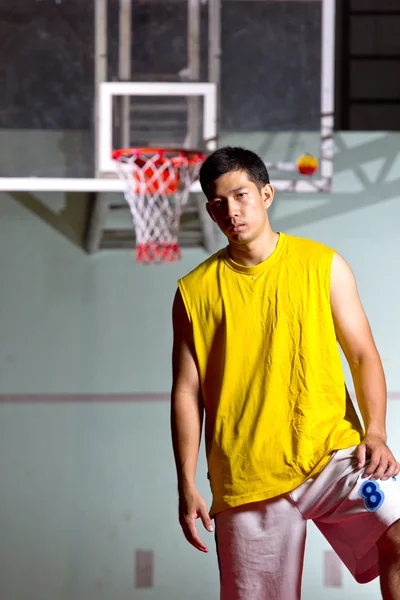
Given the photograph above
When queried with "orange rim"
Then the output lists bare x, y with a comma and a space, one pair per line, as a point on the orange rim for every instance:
192, 156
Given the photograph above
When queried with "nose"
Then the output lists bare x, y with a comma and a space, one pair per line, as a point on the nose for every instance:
232, 209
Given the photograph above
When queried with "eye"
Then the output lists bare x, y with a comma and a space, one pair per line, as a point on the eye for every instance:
241, 195
216, 203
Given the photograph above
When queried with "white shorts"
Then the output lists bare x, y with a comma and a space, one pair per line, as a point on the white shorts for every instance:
261, 545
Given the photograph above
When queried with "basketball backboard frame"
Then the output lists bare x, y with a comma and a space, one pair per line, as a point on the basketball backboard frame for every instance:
109, 90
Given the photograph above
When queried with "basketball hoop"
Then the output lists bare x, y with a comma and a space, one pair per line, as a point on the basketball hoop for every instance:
157, 183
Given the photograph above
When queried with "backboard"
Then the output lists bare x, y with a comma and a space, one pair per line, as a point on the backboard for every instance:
84, 77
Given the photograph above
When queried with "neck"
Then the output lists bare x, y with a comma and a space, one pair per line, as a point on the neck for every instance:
255, 252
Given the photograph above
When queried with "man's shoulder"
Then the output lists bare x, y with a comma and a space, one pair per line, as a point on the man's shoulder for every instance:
204, 268
307, 247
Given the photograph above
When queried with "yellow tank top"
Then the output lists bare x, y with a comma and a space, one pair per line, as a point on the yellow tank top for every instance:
270, 370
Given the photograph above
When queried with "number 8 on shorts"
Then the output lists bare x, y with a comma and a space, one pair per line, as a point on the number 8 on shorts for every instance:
372, 495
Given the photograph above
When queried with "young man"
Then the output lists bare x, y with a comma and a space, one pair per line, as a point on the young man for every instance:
256, 332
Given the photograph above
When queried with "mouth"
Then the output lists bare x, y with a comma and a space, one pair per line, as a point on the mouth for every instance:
236, 227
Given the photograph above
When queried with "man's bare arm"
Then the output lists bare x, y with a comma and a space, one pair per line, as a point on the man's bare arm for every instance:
186, 424
355, 338
186, 405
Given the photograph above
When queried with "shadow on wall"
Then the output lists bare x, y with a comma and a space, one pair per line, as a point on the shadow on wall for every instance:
70, 222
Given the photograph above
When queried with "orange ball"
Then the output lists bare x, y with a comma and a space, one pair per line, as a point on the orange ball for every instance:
307, 164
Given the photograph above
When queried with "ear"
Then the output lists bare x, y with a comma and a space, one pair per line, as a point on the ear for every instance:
209, 210
268, 193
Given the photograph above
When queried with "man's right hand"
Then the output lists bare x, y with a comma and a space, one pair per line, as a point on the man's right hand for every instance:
191, 507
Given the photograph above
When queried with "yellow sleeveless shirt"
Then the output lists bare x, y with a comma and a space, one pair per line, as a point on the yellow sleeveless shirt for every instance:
270, 370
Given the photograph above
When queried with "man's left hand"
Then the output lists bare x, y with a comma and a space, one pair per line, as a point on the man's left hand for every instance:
382, 463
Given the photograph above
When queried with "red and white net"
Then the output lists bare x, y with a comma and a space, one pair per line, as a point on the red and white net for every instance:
157, 186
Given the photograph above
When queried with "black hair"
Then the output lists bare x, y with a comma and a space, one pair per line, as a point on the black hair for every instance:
229, 159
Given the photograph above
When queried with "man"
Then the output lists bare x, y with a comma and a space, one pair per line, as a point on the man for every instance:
256, 332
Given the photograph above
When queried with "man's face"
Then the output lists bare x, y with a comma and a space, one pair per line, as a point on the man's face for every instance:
238, 207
